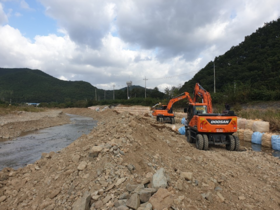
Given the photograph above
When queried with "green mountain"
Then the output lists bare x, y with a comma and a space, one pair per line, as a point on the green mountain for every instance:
250, 71
26, 85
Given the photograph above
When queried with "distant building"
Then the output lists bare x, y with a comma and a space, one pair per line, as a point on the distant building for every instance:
33, 104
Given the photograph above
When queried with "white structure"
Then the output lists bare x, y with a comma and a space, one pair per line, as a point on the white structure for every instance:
129, 83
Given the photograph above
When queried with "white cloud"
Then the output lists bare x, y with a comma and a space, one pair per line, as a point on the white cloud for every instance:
64, 59
24, 5
63, 78
106, 42
86, 22
3, 16
17, 14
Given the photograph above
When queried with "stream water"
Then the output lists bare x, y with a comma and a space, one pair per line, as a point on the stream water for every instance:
27, 149
259, 148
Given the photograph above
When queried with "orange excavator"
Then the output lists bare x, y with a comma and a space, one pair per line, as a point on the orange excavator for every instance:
164, 113
202, 125
205, 127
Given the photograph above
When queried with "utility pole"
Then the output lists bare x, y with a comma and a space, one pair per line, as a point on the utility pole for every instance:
95, 95
129, 83
145, 85
214, 78
113, 92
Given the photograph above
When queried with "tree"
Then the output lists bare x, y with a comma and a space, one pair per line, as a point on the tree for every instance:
167, 92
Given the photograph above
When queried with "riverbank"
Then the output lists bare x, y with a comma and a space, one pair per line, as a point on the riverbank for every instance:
23, 150
20, 122
115, 167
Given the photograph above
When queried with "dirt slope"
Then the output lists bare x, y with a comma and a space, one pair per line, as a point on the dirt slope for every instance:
130, 150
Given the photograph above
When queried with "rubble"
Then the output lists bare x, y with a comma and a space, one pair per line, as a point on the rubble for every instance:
157, 169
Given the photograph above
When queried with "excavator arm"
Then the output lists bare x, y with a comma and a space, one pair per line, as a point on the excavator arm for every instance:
178, 98
199, 91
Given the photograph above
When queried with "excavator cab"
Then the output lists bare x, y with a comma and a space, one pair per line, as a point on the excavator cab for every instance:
192, 110
200, 109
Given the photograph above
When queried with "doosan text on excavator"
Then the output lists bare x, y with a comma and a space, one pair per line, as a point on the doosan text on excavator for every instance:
203, 127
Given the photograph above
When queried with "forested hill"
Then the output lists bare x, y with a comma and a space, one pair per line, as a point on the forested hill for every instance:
26, 85
253, 65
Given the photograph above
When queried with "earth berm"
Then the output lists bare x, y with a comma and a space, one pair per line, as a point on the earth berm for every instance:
132, 162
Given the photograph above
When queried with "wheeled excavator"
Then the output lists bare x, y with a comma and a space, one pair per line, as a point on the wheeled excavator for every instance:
205, 127
164, 113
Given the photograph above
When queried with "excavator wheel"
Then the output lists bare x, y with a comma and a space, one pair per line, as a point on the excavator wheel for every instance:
206, 143
160, 119
172, 120
237, 143
231, 145
188, 134
199, 142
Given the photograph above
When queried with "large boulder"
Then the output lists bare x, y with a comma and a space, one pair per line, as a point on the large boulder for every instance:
159, 179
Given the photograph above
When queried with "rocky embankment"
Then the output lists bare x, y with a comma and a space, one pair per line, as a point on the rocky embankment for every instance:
14, 125
132, 162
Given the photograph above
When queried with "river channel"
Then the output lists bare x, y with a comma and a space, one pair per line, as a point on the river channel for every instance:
26, 149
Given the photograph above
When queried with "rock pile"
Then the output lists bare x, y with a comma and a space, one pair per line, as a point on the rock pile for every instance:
131, 162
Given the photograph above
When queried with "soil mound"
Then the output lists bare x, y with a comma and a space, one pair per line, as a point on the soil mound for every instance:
132, 162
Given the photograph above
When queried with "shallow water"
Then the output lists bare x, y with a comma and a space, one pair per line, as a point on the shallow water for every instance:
259, 148
27, 149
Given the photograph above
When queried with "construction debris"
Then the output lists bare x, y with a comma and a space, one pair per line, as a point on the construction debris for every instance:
126, 163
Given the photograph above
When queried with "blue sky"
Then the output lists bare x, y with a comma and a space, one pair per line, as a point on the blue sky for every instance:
108, 42
30, 18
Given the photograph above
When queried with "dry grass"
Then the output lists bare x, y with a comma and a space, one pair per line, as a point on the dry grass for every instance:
270, 115
14, 109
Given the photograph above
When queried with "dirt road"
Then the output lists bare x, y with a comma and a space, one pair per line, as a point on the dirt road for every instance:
123, 163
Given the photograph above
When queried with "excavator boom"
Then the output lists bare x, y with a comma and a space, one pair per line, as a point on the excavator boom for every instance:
165, 113
178, 98
200, 92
